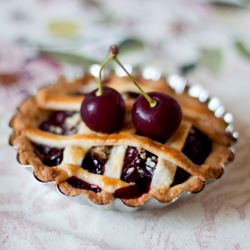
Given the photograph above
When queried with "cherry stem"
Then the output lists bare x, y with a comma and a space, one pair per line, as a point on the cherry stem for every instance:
99, 91
150, 100
114, 50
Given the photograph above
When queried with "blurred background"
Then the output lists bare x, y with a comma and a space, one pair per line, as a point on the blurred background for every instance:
40, 39
207, 41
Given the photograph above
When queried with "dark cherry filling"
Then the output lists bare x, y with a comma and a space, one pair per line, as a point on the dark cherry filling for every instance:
132, 95
78, 183
49, 156
180, 176
197, 148
56, 123
95, 160
138, 168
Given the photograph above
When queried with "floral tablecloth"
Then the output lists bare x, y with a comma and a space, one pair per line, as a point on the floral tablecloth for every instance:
208, 41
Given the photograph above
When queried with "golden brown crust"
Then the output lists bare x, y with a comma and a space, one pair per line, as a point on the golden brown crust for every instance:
98, 198
60, 96
55, 97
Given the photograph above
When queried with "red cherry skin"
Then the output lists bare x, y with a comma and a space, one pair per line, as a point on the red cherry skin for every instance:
159, 122
104, 113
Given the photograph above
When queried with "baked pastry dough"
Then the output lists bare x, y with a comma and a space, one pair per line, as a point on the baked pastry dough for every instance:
75, 149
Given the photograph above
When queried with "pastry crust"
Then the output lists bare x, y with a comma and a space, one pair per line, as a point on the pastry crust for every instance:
62, 96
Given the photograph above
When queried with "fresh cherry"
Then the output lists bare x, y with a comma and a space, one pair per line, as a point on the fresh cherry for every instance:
103, 110
158, 122
104, 113
155, 115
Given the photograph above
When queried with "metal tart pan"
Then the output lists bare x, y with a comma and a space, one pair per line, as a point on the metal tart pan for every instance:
180, 85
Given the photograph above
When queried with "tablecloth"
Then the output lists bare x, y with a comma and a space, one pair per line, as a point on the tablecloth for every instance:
206, 42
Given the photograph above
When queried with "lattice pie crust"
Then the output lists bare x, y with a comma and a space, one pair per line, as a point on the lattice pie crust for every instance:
60, 96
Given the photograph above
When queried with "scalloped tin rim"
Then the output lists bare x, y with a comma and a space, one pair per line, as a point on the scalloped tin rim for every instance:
179, 84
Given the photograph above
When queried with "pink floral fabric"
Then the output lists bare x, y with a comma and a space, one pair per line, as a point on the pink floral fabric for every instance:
34, 216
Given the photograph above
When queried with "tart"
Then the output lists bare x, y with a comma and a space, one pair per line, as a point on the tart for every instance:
51, 137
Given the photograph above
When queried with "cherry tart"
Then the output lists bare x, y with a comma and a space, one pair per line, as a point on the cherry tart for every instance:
50, 135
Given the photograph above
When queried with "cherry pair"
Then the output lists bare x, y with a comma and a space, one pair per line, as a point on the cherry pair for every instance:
155, 115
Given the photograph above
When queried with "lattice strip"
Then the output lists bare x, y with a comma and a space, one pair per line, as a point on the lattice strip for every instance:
166, 152
106, 183
165, 170
114, 165
61, 96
